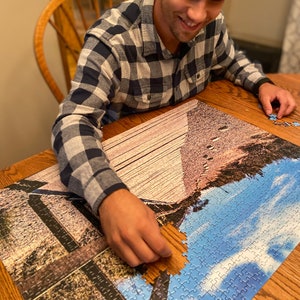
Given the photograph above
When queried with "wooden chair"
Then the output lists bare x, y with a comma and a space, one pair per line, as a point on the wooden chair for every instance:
70, 19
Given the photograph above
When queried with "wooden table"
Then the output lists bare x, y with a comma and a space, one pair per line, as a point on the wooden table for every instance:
285, 282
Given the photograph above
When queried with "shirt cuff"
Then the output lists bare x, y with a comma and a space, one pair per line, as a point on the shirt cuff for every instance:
106, 192
259, 83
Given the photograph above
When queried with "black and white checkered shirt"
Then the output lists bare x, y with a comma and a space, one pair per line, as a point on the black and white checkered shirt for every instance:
125, 68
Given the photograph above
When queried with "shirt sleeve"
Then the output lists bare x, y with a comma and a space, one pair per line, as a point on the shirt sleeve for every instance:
76, 134
233, 64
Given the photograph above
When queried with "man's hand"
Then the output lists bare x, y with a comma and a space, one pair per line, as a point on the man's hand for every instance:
270, 94
131, 229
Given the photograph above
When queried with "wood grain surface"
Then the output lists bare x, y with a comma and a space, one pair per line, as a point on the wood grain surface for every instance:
8, 290
285, 282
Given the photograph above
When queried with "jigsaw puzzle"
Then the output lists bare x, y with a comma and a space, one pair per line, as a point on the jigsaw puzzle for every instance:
232, 188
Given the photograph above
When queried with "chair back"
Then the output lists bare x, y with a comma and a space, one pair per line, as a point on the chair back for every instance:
69, 19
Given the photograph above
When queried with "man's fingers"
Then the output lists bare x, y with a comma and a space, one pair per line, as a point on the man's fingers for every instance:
266, 105
149, 244
283, 106
144, 252
287, 106
274, 97
127, 255
134, 251
158, 243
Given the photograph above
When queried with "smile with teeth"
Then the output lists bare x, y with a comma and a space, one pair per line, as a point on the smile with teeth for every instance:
188, 23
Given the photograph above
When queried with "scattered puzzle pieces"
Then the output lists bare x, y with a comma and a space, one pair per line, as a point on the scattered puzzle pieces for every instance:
173, 264
273, 117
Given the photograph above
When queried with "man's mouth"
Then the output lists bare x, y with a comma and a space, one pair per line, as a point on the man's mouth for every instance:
188, 24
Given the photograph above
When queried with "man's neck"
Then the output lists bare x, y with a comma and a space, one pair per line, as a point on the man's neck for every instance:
163, 31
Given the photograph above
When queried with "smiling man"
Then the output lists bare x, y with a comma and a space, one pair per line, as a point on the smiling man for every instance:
143, 55
180, 21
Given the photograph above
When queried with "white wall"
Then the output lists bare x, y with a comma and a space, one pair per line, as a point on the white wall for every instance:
27, 107
260, 21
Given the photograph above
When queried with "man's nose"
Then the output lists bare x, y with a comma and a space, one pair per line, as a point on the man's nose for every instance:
198, 12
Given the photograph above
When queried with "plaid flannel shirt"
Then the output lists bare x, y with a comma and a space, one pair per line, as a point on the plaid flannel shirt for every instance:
125, 68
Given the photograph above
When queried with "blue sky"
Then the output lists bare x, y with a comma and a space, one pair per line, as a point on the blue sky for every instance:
239, 239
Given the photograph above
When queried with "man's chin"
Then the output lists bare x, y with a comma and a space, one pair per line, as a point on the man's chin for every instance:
186, 39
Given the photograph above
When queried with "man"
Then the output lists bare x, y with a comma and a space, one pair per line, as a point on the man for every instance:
143, 55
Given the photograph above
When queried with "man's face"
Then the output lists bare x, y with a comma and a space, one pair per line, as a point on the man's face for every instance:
181, 20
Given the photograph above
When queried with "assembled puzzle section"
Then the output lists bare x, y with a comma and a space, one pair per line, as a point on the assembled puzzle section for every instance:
229, 188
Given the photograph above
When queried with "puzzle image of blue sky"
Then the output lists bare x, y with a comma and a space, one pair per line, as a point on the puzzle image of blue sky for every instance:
232, 188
